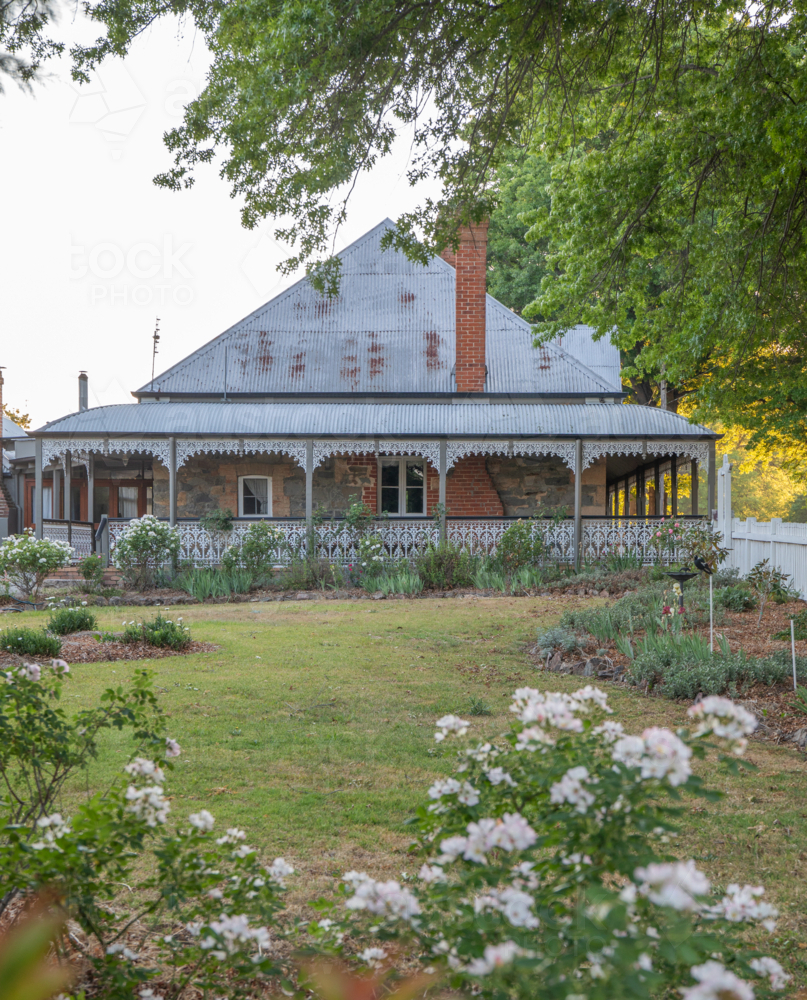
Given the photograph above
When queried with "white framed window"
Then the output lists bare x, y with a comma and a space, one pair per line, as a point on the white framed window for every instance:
254, 496
403, 487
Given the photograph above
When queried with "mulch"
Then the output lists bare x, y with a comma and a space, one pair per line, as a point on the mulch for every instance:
85, 648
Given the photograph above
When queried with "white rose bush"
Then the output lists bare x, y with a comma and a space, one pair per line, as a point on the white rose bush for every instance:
146, 544
547, 866
26, 561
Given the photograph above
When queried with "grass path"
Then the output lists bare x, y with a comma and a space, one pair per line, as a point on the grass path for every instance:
312, 729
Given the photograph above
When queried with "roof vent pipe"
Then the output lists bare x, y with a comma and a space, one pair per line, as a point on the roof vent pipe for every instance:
83, 393
471, 273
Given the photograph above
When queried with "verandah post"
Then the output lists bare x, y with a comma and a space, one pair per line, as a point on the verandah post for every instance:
38, 487
711, 480
309, 484
693, 465
578, 499
68, 489
172, 481
674, 486
442, 488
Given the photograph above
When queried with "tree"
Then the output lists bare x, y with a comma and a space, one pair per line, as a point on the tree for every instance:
685, 231
25, 41
20, 419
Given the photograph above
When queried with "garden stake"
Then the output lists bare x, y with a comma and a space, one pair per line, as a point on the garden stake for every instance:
711, 619
793, 650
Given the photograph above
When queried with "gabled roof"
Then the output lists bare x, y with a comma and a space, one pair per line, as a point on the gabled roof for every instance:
389, 330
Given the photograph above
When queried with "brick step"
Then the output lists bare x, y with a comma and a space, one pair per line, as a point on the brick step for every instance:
71, 574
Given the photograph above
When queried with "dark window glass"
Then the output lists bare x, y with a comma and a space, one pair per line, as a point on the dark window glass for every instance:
127, 501
256, 497
75, 503
389, 475
389, 500
414, 474
101, 502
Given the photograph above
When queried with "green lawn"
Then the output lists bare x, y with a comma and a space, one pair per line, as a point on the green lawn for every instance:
312, 728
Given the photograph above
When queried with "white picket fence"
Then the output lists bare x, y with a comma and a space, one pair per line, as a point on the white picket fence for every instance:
750, 541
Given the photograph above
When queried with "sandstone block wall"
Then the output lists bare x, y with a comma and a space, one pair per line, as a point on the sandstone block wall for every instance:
475, 487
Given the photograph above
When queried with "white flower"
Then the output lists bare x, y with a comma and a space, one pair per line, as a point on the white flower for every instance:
511, 833
148, 804
715, 982
450, 724
658, 753
495, 956
771, 970
172, 748
148, 994
610, 731
60, 666
515, 904
233, 933
279, 870
725, 719
232, 836
497, 775
32, 671
672, 885
202, 821
385, 899
444, 786
742, 904
142, 768
570, 789
54, 828
431, 873
532, 738
373, 957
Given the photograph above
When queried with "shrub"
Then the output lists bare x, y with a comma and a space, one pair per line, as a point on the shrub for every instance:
27, 561
203, 583
92, 570
738, 597
799, 630
546, 867
396, 580
684, 540
522, 544
257, 551
769, 582
162, 632
146, 544
26, 641
684, 671
444, 566
66, 620
220, 521
488, 577
556, 637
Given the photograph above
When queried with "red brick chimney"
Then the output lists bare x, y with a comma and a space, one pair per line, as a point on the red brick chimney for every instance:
471, 267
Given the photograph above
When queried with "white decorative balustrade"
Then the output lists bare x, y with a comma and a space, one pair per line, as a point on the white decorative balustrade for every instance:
78, 534
407, 538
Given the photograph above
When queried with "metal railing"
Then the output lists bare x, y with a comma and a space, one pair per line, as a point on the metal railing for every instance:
79, 534
404, 538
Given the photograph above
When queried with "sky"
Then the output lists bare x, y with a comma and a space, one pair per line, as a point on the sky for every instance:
92, 252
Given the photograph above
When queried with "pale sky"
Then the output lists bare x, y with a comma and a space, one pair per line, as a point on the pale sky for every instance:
92, 252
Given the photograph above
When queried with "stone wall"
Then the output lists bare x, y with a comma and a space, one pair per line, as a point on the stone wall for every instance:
526, 485
475, 487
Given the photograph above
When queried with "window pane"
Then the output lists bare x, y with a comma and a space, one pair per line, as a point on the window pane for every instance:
389, 475
414, 473
256, 497
414, 500
100, 502
47, 501
75, 503
149, 499
389, 500
127, 501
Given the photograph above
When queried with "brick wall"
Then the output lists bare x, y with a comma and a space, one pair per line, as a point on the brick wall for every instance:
471, 268
470, 491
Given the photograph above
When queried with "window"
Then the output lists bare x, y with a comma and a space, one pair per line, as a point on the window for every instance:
403, 487
254, 496
127, 501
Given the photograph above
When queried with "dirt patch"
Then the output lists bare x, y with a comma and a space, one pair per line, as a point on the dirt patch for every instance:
87, 649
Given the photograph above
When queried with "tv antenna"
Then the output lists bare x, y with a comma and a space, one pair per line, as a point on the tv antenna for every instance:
156, 338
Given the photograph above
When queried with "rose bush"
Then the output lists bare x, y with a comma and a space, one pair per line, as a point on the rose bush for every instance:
146, 544
26, 561
548, 870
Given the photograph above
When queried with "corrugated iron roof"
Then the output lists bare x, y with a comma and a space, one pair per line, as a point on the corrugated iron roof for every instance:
391, 329
482, 419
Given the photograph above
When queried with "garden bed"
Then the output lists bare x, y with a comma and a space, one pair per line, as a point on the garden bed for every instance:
84, 647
